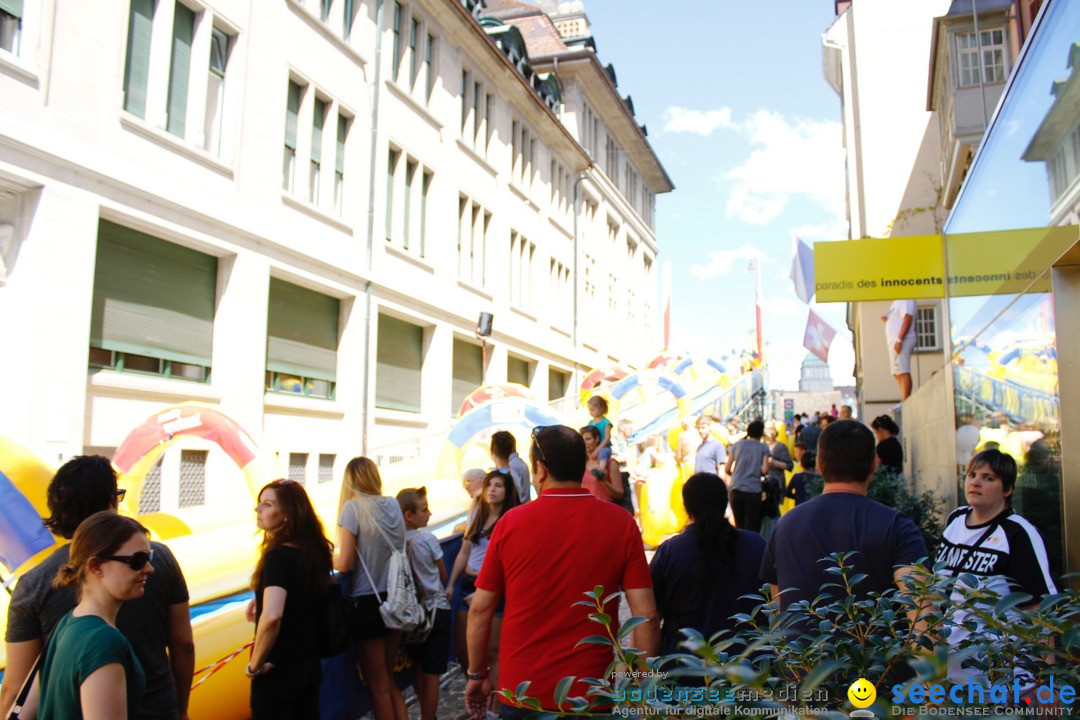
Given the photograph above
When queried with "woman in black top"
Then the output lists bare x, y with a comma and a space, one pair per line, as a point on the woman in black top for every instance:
700, 575
890, 453
292, 574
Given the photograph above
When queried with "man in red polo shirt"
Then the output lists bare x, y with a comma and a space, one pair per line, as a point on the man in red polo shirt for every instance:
544, 557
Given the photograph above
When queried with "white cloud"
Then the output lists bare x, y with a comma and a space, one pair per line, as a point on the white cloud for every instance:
789, 159
700, 122
777, 307
835, 229
721, 262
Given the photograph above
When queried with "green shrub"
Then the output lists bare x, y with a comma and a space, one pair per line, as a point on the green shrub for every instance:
803, 659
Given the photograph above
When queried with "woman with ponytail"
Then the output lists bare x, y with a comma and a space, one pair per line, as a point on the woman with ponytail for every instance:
292, 574
371, 526
89, 669
700, 575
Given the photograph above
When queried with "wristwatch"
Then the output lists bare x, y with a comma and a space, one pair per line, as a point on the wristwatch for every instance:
251, 673
476, 675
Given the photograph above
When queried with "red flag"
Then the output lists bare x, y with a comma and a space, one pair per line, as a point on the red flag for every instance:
819, 336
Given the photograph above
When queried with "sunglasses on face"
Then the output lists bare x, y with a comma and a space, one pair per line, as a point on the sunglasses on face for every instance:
137, 561
119, 494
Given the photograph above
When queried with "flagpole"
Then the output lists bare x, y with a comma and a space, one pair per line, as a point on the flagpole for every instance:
757, 308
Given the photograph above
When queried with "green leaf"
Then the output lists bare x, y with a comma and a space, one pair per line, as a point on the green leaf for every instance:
522, 688
611, 597
628, 627
1070, 639
532, 704
578, 704
594, 640
1010, 601
819, 674
602, 618
562, 689
1051, 601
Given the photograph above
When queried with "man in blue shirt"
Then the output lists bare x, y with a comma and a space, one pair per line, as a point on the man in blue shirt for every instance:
886, 543
711, 456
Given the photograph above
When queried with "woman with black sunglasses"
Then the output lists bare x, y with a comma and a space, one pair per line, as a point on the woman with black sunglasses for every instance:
89, 669
158, 623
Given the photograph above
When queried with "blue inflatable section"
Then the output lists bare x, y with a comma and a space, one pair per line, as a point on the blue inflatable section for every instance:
683, 364
21, 533
627, 384
508, 411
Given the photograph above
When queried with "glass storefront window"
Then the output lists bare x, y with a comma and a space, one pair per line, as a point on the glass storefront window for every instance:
1016, 217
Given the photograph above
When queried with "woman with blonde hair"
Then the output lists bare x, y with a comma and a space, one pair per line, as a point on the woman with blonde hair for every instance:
89, 669
290, 579
371, 527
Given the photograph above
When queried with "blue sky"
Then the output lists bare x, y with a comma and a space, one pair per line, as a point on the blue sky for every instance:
739, 113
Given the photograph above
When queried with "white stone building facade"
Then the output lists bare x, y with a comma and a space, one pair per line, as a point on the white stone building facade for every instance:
296, 210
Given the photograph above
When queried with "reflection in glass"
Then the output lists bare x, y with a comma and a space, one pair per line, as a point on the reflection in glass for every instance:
1015, 217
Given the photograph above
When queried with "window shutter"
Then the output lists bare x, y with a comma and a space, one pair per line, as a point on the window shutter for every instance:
152, 297
12, 7
557, 382
183, 31
316, 131
342, 129
399, 359
517, 371
468, 372
302, 332
137, 70
291, 114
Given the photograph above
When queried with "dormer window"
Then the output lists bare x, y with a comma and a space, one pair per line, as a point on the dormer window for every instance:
992, 68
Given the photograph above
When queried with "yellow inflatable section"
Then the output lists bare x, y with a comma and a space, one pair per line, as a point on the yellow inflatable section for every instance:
217, 562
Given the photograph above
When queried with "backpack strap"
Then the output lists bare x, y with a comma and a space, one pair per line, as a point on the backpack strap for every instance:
363, 565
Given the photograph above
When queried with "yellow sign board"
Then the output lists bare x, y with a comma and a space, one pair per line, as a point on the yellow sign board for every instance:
907, 268
1002, 262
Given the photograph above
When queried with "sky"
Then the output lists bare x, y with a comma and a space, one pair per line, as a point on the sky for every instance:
739, 113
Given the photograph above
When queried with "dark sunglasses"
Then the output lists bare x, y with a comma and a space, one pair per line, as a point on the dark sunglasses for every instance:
536, 441
119, 494
137, 561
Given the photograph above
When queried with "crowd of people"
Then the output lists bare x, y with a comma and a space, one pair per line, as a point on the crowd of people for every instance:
101, 627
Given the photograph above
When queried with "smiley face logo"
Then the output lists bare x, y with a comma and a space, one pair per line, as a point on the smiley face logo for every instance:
862, 693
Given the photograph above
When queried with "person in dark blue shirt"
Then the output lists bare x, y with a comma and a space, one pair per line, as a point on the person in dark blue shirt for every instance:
701, 575
798, 488
885, 542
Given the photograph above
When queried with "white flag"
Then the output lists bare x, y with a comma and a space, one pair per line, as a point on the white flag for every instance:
802, 269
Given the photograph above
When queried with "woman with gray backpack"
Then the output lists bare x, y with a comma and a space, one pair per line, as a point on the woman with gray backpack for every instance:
372, 536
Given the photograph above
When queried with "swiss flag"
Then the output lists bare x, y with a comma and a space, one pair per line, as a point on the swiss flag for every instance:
819, 336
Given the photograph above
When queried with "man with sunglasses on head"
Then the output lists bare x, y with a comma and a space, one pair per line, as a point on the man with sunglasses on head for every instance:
157, 622
543, 558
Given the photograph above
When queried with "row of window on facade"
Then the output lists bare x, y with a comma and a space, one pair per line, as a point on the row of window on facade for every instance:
408, 190
153, 312
191, 104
